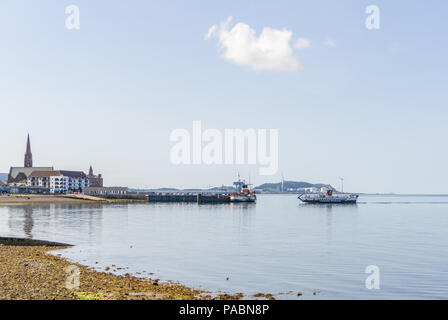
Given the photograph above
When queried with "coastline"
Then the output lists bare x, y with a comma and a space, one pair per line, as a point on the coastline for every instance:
20, 199
29, 272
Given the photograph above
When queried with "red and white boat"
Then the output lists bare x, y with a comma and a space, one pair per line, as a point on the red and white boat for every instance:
244, 194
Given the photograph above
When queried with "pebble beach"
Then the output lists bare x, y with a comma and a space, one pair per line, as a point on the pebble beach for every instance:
30, 272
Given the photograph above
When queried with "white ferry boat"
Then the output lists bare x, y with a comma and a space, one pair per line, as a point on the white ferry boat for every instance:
329, 197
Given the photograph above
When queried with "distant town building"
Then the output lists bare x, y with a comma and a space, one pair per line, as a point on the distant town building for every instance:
77, 180
53, 180
39, 179
97, 191
59, 181
20, 174
58, 184
95, 180
28, 155
27, 190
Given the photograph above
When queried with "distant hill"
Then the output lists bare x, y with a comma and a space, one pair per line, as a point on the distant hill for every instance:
3, 176
287, 186
153, 190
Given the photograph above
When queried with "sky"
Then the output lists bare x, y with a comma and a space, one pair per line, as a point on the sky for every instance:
368, 105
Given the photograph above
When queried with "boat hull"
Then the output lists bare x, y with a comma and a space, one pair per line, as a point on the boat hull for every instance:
243, 199
345, 199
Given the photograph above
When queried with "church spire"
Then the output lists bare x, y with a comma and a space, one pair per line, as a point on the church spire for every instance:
90, 171
28, 154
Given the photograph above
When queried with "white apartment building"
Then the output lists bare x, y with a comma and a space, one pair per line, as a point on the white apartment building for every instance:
52, 180
58, 184
59, 181
77, 180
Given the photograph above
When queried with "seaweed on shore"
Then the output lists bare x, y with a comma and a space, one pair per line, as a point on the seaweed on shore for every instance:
9, 241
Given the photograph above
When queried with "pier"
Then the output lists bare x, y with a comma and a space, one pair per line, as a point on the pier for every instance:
194, 198
200, 198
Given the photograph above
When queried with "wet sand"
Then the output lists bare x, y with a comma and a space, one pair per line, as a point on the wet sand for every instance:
29, 272
14, 199
44, 199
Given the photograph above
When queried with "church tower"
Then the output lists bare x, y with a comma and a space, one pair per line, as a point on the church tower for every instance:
28, 155
95, 181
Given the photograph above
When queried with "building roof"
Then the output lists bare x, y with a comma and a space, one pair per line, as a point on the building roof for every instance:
41, 174
20, 177
73, 174
14, 171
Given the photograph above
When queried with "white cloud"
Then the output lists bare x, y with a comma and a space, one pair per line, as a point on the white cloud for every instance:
302, 43
270, 51
330, 43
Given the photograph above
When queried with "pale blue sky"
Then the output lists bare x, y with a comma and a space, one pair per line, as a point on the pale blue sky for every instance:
371, 109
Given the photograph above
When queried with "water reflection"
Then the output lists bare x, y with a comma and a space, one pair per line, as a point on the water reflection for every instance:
276, 245
28, 223
330, 211
56, 220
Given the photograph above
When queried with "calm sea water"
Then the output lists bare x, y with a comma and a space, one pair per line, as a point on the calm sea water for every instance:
276, 246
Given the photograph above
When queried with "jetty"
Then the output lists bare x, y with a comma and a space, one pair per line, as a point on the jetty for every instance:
195, 198
200, 198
